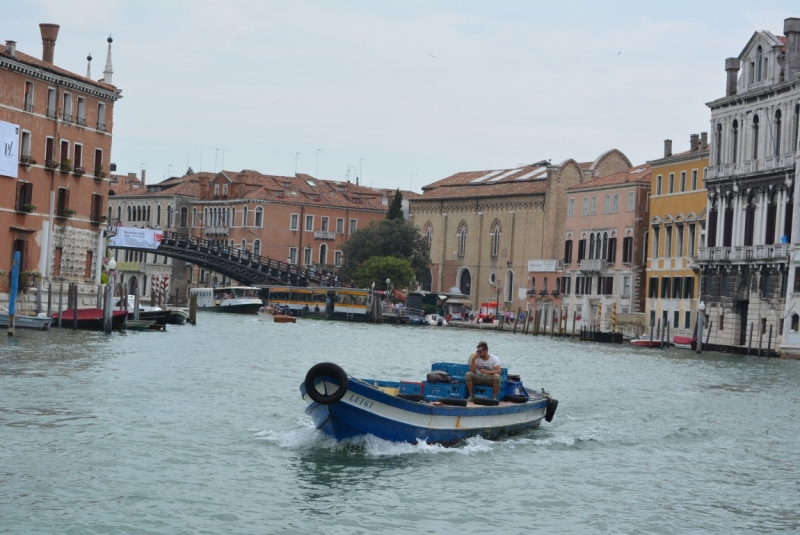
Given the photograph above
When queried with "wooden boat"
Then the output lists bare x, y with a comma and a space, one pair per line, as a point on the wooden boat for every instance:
645, 342
344, 407
91, 319
40, 322
284, 319
138, 325
684, 342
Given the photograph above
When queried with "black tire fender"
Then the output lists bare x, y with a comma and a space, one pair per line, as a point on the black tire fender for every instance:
456, 402
330, 370
411, 397
487, 402
516, 399
552, 405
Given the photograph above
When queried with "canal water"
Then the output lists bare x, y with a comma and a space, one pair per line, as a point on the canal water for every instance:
202, 430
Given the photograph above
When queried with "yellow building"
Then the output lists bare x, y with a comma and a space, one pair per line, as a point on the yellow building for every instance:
677, 229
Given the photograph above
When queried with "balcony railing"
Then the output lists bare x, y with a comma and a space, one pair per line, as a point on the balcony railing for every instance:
218, 230
67, 117
743, 253
51, 114
101, 127
597, 264
28, 107
324, 235
81, 121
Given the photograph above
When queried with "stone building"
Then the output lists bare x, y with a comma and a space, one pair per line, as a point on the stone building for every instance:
484, 227
677, 227
166, 206
52, 205
604, 246
751, 221
297, 219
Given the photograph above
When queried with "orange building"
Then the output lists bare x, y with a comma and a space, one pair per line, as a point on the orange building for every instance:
52, 205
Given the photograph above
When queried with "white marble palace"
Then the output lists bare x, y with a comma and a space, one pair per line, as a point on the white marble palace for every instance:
752, 228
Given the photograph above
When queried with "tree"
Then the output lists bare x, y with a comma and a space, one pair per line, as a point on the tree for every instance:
379, 268
396, 209
389, 237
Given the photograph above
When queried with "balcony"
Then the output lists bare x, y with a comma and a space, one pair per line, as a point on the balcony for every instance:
742, 253
219, 231
26, 160
80, 121
597, 264
51, 114
101, 127
67, 117
28, 107
324, 235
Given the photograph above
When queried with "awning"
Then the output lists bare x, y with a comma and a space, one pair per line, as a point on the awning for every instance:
458, 301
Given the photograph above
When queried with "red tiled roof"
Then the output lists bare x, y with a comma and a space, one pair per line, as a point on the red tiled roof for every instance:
501, 182
634, 175
39, 64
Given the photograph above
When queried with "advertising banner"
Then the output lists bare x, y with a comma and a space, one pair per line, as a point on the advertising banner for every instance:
9, 152
140, 238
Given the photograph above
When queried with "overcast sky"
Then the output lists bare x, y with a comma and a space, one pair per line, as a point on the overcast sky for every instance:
412, 88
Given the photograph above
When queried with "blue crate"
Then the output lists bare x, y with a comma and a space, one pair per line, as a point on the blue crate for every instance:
456, 371
514, 388
434, 391
410, 388
481, 391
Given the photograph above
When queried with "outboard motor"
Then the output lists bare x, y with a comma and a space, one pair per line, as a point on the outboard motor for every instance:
439, 322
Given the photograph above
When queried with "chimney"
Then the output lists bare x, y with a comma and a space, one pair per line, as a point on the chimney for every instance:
694, 142
732, 68
144, 176
791, 65
667, 148
11, 48
49, 36
703, 140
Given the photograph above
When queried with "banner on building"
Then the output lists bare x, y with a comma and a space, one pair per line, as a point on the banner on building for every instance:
9, 151
139, 238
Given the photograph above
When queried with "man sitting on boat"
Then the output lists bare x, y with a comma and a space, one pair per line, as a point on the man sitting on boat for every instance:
484, 369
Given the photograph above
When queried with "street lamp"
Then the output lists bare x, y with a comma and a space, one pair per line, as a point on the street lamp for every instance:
701, 313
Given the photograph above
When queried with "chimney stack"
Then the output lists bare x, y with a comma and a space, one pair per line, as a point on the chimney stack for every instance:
144, 176
667, 148
703, 140
11, 48
791, 65
732, 68
49, 36
694, 142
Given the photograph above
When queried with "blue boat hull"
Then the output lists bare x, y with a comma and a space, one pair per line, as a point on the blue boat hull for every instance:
365, 409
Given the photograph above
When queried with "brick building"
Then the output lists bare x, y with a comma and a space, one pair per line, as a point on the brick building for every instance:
298, 219
52, 210
486, 227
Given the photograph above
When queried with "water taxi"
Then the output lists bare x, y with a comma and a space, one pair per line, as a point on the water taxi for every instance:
229, 299
330, 302
437, 412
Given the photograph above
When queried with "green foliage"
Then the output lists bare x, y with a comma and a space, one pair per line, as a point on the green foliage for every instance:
103, 278
389, 237
396, 209
379, 268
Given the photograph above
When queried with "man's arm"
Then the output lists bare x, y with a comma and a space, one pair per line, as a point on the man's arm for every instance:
472, 364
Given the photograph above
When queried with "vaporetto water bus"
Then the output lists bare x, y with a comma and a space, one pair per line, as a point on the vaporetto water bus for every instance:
350, 304
405, 411
228, 299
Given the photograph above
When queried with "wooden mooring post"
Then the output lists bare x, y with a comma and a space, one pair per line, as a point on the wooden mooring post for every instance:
769, 340
49, 298
750, 342
193, 309
75, 306
516, 320
574, 315
60, 302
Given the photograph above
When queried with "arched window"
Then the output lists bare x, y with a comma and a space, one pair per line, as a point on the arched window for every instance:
170, 214
257, 247
110, 213
244, 245
777, 148
259, 216
428, 236
795, 322
194, 217
509, 286
735, 140
233, 217
533, 285
558, 284
323, 254
495, 238
755, 137
544, 287
749, 219
148, 214
591, 246
184, 215
462, 238
158, 215
465, 282
758, 64
244, 216
718, 144
604, 254
119, 213
205, 217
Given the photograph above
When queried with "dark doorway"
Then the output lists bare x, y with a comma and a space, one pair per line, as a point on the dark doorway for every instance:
465, 285
427, 279
743, 306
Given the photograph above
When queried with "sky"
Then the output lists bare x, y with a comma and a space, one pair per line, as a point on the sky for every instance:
401, 94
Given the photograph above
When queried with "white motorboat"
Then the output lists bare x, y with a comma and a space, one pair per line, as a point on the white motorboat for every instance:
436, 320
40, 322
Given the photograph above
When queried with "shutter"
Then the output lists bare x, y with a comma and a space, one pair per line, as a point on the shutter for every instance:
28, 194
66, 199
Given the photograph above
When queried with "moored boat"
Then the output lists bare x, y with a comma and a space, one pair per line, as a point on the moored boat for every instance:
284, 319
345, 407
684, 342
40, 322
91, 319
230, 299
436, 320
646, 342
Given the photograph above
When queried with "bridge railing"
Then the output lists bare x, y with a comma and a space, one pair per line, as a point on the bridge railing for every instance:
224, 250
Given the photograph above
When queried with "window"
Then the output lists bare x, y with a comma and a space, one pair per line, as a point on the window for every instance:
658, 185
568, 252
158, 215
607, 204
257, 247
592, 206
216, 190
571, 208
777, 141
581, 249
677, 287
630, 201
26, 144
293, 221
101, 117
585, 206
63, 153
755, 137
77, 157
98, 162
307, 256
259, 217
429, 237
292, 255
309, 223
627, 250
672, 182
323, 254
615, 204
323, 226
194, 217
688, 288
462, 239
28, 99
51, 103
665, 287
656, 236
339, 225
626, 286
25, 195
353, 225
66, 108
496, 239
679, 239
683, 180
611, 257
97, 207
694, 179
676, 317
337, 258
81, 112
225, 190
765, 285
